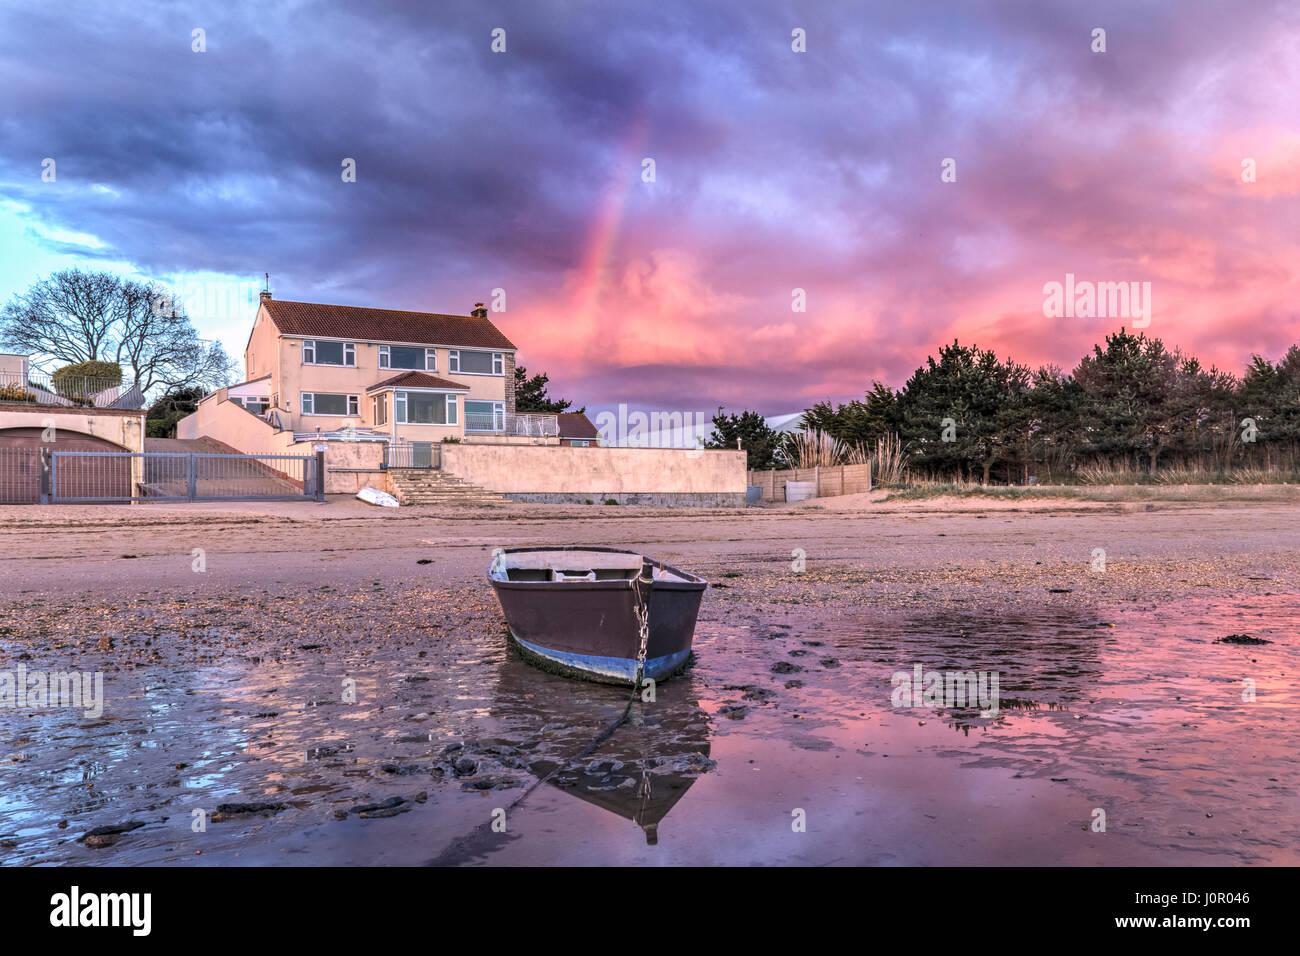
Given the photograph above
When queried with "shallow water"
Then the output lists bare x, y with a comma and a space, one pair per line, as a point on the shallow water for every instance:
1132, 710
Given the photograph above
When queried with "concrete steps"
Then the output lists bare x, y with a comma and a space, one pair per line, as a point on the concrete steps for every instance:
427, 486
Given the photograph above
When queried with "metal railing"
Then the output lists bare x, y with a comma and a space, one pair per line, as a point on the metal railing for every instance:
534, 425
82, 476
412, 454
484, 422
20, 476
37, 388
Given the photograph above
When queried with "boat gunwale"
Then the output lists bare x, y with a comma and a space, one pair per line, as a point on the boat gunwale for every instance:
688, 582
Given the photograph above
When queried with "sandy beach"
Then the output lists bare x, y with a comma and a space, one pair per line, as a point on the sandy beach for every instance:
226, 687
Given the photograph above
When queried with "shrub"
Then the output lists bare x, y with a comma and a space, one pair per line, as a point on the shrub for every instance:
81, 381
15, 393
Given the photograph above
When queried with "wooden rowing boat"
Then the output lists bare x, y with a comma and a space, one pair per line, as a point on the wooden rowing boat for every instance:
574, 610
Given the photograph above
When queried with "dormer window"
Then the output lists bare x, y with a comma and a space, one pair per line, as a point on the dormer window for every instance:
316, 352
468, 362
408, 357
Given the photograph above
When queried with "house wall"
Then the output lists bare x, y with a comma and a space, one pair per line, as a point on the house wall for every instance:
228, 423
558, 473
261, 355
349, 466
510, 384
290, 378
424, 432
13, 368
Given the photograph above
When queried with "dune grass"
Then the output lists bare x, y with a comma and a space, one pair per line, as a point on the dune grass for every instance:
921, 490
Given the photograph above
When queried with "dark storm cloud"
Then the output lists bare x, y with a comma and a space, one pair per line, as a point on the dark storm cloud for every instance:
477, 169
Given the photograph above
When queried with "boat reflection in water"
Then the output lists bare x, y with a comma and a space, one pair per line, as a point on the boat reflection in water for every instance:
640, 773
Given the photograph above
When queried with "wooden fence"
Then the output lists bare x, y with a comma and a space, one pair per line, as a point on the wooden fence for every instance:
831, 480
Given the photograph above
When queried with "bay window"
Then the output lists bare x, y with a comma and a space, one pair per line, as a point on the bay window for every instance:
423, 408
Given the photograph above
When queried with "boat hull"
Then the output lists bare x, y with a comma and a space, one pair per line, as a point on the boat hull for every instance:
589, 629
606, 670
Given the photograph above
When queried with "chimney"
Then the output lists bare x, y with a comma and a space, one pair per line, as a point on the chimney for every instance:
264, 295
480, 311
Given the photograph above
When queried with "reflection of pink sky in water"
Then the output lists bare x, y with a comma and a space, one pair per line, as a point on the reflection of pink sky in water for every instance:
1143, 719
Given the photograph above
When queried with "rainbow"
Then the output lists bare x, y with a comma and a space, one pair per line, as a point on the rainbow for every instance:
602, 238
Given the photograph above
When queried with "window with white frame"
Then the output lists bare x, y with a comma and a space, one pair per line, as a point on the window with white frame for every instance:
423, 408
485, 416
256, 405
408, 357
330, 403
468, 362
379, 409
317, 352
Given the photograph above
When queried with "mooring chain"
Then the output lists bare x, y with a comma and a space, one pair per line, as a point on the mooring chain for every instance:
642, 612
643, 625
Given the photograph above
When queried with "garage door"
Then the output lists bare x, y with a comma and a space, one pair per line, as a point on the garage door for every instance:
20, 465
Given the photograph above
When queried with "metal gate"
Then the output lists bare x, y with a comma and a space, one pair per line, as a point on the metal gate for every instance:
412, 454
90, 477
20, 475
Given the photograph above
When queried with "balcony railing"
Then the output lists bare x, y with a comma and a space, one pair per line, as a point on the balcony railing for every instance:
37, 388
529, 424
535, 425
484, 422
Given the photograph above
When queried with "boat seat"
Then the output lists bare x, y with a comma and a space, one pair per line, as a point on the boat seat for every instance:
559, 575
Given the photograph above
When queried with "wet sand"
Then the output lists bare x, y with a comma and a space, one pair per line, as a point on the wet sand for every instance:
226, 687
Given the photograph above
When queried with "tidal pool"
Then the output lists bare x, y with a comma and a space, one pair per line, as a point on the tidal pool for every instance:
783, 744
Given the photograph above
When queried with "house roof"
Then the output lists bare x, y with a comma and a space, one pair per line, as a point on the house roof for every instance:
260, 378
418, 380
384, 325
576, 425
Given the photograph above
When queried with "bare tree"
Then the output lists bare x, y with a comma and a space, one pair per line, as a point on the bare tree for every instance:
76, 316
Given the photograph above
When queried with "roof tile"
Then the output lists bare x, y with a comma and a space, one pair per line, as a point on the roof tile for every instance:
417, 380
384, 325
576, 425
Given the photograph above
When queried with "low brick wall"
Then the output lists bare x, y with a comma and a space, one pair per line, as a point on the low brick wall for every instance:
348, 481
564, 474
658, 499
